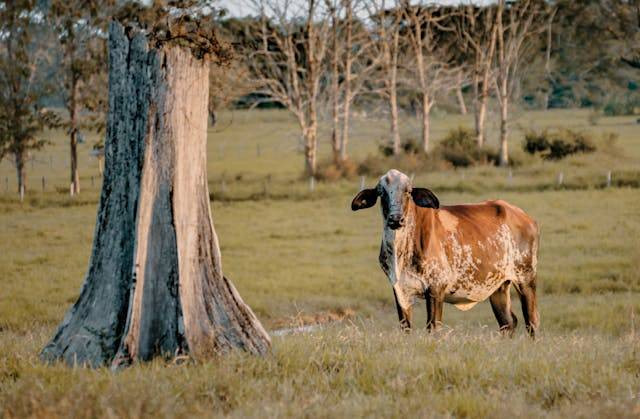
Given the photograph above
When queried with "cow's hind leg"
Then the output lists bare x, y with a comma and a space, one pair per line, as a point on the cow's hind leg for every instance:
501, 305
529, 303
404, 314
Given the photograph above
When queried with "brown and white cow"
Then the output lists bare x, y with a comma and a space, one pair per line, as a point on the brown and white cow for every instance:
459, 254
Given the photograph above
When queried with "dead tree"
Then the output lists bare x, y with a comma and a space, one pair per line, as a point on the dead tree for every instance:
432, 63
287, 66
477, 32
335, 79
155, 286
516, 24
385, 52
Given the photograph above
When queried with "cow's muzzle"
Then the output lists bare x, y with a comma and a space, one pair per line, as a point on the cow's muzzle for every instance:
395, 221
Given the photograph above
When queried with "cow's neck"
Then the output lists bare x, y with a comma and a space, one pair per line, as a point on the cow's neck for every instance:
397, 248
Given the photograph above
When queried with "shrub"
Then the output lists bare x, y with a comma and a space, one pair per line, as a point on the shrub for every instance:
330, 171
459, 148
408, 146
557, 144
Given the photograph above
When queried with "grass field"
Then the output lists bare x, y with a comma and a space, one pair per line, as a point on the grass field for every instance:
298, 256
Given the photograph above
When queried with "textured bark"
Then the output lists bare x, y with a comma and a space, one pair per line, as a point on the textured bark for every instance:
154, 284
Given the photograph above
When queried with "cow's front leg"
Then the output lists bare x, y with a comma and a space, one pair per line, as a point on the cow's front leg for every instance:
435, 306
404, 314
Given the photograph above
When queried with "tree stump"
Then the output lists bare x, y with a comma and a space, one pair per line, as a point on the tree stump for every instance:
154, 285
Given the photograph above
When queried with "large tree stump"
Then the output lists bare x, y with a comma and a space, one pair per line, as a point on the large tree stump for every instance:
155, 284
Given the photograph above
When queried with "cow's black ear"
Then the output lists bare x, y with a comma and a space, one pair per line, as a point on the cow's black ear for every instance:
366, 198
423, 197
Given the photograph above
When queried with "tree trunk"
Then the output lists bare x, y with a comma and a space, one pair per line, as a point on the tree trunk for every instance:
426, 122
395, 134
73, 143
482, 106
393, 95
504, 129
154, 285
345, 128
21, 171
310, 141
479, 125
460, 97
347, 82
335, 92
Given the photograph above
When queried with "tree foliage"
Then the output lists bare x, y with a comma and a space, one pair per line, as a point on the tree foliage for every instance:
22, 117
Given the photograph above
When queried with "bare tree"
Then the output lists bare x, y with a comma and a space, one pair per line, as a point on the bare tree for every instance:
287, 65
333, 8
431, 64
516, 24
477, 32
384, 19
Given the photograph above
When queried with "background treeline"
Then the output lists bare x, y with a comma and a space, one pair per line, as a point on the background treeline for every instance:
324, 60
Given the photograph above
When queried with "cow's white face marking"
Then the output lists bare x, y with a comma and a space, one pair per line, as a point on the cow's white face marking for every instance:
395, 189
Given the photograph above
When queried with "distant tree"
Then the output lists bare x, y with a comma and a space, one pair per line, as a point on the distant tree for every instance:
385, 18
285, 56
517, 25
432, 62
477, 34
21, 90
80, 29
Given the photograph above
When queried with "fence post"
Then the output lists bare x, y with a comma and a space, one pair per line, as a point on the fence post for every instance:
223, 186
312, 184
609, 179
21, 193
361, 183
510, 176
71, 189
560, 178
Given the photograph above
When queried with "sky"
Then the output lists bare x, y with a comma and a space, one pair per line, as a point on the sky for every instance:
240, 8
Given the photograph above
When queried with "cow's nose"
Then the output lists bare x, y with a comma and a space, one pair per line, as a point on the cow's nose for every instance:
395, 221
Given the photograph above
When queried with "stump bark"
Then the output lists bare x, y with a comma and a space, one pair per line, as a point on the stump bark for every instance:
155, 284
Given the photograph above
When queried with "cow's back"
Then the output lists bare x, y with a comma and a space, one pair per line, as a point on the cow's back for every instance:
483, 244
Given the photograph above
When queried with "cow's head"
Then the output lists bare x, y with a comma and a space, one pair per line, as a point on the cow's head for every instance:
395, 192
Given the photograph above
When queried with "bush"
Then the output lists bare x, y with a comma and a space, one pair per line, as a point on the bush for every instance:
408, 146
459, 148
330, 171
557, 144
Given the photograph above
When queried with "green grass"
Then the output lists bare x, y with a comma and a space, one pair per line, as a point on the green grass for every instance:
296, 254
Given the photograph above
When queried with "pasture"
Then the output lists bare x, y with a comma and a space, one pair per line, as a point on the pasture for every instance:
299, 256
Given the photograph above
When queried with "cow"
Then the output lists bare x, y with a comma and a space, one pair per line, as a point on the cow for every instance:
459, 254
